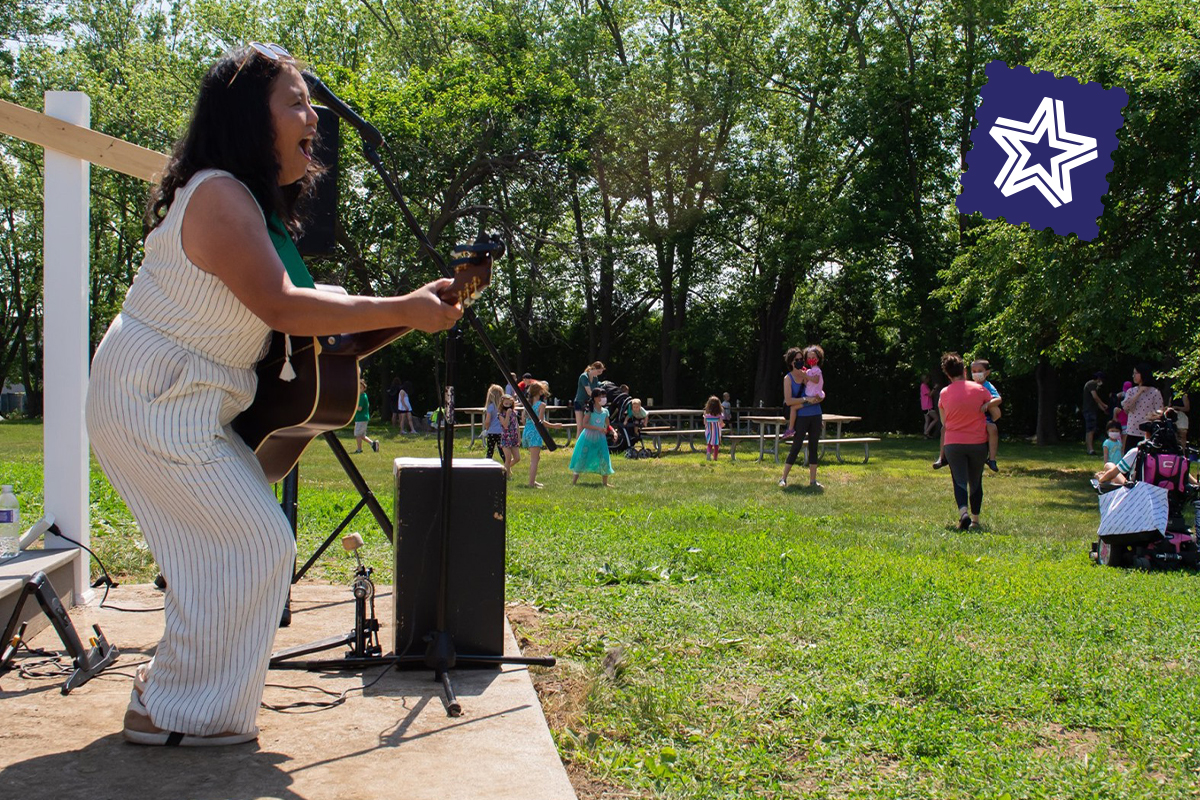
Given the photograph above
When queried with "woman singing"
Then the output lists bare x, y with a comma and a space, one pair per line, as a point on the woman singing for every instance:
177, 365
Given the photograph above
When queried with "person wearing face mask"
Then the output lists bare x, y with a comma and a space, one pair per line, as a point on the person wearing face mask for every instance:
591, 446
803, 391
807, 366
980, 370
1112, 445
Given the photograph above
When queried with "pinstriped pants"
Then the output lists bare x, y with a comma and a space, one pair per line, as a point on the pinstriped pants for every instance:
158, 417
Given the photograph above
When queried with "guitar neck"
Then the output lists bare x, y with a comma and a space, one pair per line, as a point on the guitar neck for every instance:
361, 345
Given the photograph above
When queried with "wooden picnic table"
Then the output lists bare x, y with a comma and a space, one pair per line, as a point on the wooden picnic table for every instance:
476, 417
777, 423
679, 423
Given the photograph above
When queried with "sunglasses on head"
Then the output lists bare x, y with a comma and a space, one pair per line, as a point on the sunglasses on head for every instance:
269, 51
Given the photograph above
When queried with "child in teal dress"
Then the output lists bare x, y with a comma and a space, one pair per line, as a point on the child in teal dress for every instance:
591, 446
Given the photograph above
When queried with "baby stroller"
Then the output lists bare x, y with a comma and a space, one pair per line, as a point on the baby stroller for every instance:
627, 431
1139, 542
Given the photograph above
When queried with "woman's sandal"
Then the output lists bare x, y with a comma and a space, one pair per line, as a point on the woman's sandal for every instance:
140, 730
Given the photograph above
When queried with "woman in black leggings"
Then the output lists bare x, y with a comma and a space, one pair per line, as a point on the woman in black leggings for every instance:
961, 407
798, 390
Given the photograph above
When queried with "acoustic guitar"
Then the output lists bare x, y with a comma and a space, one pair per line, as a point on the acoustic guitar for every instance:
288, 414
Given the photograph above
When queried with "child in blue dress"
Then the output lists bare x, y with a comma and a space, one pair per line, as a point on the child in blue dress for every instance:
591, 446
538, 391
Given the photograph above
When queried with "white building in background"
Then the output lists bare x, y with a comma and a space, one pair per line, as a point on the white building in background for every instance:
12, 398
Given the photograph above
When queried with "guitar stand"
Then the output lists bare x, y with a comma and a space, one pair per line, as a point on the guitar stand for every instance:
88, 663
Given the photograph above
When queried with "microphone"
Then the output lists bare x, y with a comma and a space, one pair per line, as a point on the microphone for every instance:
324, 95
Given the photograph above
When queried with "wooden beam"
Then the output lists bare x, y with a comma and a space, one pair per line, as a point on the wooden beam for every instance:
85, 143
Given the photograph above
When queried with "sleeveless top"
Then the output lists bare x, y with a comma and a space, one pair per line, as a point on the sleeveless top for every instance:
191, 307
798, 390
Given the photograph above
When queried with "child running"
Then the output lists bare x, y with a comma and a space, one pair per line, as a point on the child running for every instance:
714, 420
591, 446
510, 437
362, 415
814, 383
980, 370
537, 391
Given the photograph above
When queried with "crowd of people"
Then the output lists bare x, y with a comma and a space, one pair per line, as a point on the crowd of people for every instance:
1123, 412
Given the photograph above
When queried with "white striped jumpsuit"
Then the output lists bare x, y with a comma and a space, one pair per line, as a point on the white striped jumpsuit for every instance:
174, 369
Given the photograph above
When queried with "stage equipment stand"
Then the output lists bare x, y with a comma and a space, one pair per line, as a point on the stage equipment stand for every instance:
290, 502
363, 639
440, 655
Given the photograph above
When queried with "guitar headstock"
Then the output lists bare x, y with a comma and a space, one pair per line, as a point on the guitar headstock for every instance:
472, 265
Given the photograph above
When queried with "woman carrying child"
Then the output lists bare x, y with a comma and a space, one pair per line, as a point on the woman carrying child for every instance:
961, 405
591, 446
491, 419
714, 420
537, 391
812, 380
807, 408
510, 436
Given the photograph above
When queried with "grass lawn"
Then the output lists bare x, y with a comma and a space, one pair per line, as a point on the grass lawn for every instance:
719, 637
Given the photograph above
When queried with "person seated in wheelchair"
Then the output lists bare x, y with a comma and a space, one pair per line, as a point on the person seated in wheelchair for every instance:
1160, 438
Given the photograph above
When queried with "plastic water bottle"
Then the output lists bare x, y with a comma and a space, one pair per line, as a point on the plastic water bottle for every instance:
10, 522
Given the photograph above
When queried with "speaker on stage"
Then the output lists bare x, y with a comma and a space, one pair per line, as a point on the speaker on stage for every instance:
475, 567
319, 209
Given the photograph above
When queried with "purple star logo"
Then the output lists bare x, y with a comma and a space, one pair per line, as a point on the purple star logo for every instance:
1059, 184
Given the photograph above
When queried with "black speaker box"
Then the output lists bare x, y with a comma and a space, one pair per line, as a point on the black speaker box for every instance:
319, 209
475, 566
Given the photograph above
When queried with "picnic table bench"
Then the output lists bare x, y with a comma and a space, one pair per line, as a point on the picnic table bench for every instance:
657, 435
777, 423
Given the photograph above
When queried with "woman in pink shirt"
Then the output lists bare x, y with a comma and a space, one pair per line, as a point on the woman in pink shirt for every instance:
961, 407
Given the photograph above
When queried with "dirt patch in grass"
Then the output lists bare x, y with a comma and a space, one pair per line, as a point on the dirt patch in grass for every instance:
589, 788
1067, 742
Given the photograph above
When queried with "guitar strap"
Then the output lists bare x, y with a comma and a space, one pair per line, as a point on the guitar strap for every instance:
297, 271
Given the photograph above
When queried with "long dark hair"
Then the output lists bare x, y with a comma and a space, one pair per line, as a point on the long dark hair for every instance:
1147, 372
231, 129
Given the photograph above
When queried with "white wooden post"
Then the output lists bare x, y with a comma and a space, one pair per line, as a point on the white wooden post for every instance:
65, 354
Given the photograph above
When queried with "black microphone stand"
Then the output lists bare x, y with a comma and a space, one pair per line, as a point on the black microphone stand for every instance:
440, 654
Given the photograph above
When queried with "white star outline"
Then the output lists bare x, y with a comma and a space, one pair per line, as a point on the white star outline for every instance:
1012, 134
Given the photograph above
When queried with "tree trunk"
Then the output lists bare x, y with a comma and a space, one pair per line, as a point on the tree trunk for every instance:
767, 369
1047, 399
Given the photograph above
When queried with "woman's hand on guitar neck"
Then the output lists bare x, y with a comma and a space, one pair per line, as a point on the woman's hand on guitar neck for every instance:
425, 310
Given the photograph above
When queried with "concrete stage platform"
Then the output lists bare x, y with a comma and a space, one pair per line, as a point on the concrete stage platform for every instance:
394, 741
